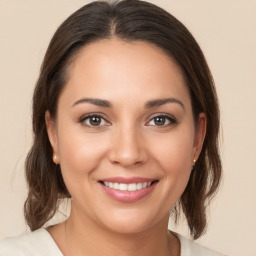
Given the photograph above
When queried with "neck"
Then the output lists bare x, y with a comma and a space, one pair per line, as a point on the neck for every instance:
85, 237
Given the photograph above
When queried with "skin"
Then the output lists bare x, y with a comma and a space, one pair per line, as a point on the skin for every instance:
127, 142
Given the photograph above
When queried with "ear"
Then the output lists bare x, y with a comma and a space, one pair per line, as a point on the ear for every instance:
200, 132
52, 135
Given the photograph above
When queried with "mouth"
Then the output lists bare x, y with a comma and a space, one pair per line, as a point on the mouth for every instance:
128, 186
128, 190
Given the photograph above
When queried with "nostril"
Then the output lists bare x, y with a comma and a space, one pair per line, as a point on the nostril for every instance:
126, 161
127, 149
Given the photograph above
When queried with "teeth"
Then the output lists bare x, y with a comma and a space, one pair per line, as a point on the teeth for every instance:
123, 187
132, 187
116, 186
127, 187
139, 186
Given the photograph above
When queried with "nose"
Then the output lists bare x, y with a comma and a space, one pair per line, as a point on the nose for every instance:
128, 147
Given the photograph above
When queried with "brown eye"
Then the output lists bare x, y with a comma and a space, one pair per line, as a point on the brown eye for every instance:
94, 120
160, 120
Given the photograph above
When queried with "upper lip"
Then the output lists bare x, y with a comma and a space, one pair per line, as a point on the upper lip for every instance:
127, 180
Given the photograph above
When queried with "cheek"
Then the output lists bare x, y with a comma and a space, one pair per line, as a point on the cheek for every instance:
173, 155
175, 150
79, 154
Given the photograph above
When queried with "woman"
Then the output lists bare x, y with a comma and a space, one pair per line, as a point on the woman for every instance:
125, 121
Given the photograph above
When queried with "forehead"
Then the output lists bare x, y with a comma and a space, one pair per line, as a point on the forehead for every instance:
118, 68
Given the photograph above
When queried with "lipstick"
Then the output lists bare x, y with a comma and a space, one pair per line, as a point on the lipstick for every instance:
127, 190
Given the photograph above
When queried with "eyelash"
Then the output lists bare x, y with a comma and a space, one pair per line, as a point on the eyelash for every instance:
83, 119
170, 118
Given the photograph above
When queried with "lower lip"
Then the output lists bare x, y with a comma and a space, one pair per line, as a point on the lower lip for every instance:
127, 196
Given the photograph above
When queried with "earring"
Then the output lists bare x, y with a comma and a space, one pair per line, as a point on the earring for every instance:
194, 161
55, 158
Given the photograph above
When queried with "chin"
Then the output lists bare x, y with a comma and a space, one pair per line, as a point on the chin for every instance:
128, 228
132, 221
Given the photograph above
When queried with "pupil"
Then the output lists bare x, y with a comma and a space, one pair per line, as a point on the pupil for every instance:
159, 120
95, 121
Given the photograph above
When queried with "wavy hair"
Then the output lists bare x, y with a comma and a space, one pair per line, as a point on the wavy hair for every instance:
128, 20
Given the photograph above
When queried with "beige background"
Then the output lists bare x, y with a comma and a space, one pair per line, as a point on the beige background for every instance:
226, 30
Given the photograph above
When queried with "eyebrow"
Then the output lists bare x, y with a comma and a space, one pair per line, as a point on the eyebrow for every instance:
97, 102
149, 104
160, 102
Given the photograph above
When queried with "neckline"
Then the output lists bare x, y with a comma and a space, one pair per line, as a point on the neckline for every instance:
51, 240
57, 249
181, 240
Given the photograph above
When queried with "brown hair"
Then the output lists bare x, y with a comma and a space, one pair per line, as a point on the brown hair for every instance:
128, 20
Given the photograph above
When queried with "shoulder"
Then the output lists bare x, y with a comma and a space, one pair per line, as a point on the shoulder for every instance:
36, 243
190, 248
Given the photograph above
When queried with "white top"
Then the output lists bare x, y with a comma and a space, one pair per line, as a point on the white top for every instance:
40, 243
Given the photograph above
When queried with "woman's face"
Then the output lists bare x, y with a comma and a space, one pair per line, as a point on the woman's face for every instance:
124, 135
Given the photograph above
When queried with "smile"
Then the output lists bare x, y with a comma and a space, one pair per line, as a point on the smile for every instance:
127, 190
128, 187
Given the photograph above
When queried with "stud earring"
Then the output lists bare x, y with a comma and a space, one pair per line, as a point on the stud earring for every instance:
193, 165
55, 159
194, 162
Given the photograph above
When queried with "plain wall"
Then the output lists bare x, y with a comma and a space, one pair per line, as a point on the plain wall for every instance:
226, 31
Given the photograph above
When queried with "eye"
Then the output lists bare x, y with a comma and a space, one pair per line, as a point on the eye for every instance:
93, 120
162, 120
